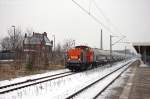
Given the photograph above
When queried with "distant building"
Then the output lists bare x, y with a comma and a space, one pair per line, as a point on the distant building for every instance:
37, 49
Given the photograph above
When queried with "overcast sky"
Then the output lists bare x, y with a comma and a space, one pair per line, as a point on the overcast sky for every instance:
66, 20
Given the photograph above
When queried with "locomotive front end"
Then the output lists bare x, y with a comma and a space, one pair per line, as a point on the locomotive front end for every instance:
73, 60
79, 58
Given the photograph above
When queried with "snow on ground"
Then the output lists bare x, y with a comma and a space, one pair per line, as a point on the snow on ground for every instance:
96, 88
116, 87
10, 60
61, 88
20, 79
144, 65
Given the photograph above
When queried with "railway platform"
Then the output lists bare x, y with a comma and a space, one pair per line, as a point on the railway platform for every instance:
138, 84
133, 84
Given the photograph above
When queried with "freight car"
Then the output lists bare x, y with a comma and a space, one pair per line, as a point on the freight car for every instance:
84, 57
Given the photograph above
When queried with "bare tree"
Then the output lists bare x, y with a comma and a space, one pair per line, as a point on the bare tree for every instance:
29, 31
13, 41
68, 43
16, 38
58, 49
59, 55
6, 43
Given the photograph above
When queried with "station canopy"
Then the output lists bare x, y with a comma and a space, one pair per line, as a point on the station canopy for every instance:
143, 48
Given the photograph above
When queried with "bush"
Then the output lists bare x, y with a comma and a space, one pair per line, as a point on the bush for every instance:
29, 65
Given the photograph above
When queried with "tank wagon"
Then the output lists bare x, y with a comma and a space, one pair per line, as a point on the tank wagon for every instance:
84, 57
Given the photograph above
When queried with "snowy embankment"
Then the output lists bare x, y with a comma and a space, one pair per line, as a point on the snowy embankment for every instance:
26, 78
61, 88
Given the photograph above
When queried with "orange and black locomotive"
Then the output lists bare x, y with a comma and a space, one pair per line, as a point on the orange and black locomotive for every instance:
84, 57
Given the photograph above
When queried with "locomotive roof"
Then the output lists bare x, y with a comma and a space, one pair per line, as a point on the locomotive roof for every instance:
82, 46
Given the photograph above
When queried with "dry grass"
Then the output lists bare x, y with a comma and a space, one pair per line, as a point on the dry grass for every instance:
11, 70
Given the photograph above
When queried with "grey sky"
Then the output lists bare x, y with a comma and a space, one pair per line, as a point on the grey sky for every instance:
64, 19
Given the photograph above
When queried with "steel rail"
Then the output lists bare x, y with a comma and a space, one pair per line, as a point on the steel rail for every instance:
37, 82
110, 83
88, 86
30, 80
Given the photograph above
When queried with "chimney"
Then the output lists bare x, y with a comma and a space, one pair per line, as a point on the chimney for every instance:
25, 35
45, 34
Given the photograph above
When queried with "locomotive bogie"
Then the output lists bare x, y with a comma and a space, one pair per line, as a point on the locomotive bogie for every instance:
78, 66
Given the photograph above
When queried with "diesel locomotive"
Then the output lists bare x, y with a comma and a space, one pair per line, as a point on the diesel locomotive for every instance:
84, 57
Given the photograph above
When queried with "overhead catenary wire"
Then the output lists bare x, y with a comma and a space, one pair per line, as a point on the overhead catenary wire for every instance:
90, 3
106, 18
97, 20
91, 15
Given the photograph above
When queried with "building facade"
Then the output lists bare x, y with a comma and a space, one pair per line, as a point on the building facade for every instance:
37, 49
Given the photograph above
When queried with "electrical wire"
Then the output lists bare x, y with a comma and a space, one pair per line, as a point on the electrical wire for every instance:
106, 18
95, 18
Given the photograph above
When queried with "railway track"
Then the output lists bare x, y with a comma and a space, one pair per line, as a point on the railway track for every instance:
30, 82
105, 80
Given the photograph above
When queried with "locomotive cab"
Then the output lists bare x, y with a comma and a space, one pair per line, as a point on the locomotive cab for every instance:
79, 58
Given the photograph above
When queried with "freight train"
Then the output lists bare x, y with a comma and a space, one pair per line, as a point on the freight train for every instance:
84, 57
